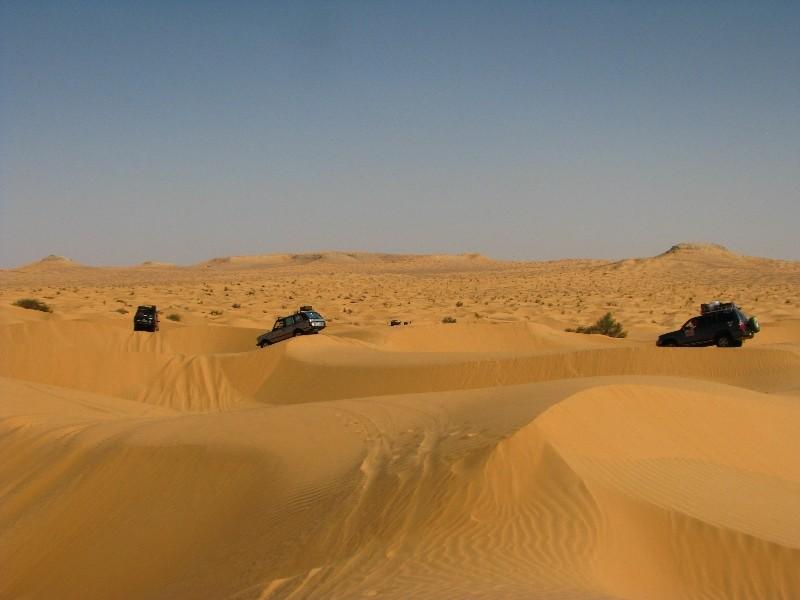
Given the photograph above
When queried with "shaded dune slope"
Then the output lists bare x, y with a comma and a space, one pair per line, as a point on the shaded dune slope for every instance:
215, 368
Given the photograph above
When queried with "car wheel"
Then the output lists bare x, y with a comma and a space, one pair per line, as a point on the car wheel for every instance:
724, 341
297, 332
670, 344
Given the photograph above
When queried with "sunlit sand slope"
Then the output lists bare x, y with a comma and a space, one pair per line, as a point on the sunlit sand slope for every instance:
457, 461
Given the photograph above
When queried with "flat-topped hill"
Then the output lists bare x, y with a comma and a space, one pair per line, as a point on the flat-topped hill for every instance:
345, 258
52, 262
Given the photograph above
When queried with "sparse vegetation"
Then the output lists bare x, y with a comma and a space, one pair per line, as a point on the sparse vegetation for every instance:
174, 317
33, 304
236, 305
449, 320
216, 313
122, 311
459, 304
605, 325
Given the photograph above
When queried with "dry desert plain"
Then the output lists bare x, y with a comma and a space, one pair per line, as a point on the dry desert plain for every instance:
495, 457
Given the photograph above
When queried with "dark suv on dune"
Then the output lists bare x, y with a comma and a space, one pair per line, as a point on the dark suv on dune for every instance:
721, 324
146, 318
303, 322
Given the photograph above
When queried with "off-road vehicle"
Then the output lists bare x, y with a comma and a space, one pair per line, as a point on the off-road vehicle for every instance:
303, 322
146, 318
721, 323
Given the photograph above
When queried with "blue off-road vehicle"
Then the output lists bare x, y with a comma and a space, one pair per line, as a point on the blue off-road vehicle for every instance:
720, 323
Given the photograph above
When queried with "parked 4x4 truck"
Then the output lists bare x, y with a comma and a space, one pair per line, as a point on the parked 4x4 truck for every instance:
720, 323
303, 322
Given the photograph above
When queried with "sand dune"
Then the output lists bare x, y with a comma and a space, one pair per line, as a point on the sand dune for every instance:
496, 457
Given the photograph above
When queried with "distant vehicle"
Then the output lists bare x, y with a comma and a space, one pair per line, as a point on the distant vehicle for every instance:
720, 323
146, 318
303, 322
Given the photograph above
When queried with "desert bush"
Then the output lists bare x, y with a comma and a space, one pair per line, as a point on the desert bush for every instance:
605, 325
33, 304
448, 320
174, 317
122, 311
459, 304
216, 313
236, 305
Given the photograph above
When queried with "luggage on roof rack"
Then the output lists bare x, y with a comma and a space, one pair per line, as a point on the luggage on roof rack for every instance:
715, 306
306, 307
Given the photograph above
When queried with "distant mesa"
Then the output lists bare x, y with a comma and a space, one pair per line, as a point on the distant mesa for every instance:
253, 260
154, 264
337, 257
55, 258
287, 259
52, 262
682, 254
468, 257
698, 249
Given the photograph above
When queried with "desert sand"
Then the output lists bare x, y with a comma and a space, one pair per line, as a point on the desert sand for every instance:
495, 457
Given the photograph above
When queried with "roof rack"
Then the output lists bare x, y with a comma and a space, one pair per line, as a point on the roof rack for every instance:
306, 307
716, 306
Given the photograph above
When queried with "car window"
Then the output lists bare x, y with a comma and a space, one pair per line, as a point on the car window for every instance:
288, 321
278, 324
313, 315
299, 317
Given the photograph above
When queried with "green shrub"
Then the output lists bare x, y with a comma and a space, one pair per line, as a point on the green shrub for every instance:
605, 325
33, 304
174, 317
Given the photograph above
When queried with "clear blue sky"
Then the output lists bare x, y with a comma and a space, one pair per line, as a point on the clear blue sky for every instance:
180, 131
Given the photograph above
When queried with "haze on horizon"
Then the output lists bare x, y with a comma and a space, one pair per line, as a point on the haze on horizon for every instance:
179, 132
